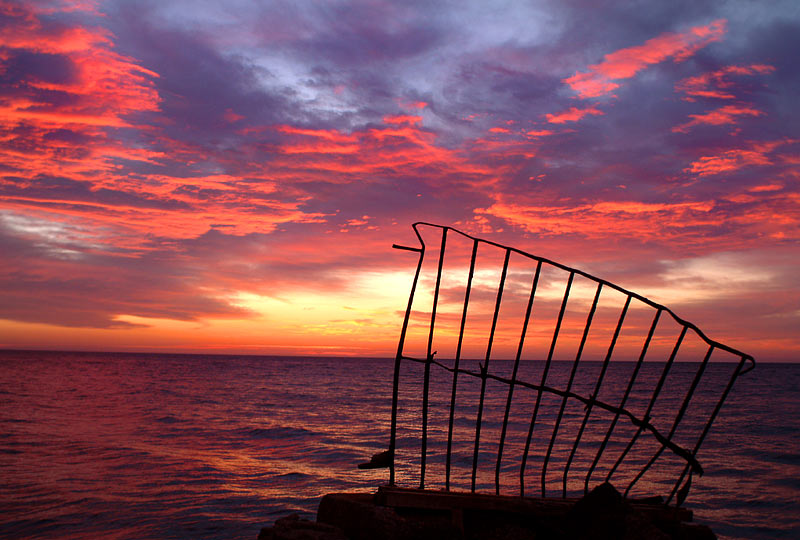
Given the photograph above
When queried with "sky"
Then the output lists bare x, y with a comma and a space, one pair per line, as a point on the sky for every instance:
229, 177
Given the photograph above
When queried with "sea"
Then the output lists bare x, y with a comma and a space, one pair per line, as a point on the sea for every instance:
119, 445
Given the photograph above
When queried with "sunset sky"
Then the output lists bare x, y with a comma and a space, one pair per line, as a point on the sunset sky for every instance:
229, 177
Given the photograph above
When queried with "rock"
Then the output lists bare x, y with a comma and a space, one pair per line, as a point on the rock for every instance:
494, 526
293, 527
603, 514
361, 519
381, 460
689, 531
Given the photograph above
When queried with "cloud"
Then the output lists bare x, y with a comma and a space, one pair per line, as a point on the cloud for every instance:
630, 219
573, 114
396, 148
741, 220
756, 154
402, 119
718, 84
726, 114
626, 63
70, 75
540, 133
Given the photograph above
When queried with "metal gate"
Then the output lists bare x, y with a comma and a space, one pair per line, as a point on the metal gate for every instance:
481, 313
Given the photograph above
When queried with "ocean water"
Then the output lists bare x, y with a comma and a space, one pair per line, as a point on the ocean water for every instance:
189, 446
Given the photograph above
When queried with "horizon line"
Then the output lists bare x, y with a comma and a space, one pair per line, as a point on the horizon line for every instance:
4, 350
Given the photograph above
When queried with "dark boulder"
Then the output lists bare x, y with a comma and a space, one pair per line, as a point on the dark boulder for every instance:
603, 514
293, 527
361, 519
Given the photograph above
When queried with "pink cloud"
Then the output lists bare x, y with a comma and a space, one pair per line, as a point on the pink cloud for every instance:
718, 84
540, 133
723, 115
727, 161
106, 86
766, 187
748, 216
190, 204
402, 119
573, 114
736, 158
412, 105
630, 218
626, 63
231, 117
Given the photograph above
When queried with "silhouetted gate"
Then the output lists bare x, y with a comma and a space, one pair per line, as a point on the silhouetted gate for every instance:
637, 386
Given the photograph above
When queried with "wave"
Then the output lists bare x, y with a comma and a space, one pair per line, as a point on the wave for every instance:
280, 433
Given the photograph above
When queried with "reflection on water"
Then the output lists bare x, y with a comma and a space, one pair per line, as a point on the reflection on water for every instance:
174, 446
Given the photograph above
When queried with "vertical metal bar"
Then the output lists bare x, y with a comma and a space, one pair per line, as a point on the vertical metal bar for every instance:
597, 385
543, 381
684, 491
399, 356
569, 385
631, 382
428, 359
456, 364
678, 418
514, 377
485, 367
653, 399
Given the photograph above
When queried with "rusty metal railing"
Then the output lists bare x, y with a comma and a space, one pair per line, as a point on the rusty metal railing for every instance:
604, 416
